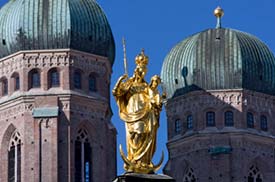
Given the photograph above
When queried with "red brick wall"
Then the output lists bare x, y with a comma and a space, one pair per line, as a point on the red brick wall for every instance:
48, 143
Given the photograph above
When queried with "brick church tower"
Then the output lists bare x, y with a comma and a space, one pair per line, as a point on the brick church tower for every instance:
55, 66
220, 87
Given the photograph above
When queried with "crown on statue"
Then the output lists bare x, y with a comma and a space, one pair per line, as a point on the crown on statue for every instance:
142, 59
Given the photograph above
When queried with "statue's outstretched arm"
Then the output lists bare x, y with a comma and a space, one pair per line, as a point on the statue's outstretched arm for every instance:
117, 89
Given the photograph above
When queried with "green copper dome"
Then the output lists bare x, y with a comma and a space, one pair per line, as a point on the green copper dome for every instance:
217, 59
55, 24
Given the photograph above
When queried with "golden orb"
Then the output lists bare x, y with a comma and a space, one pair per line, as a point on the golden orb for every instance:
218, 12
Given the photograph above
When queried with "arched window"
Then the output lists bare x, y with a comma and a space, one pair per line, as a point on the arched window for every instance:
250, 120
4, 86
14, 158
210, 119
189, 122
83, 159
189, 176
77, 79
228, 118
53, 78
177, 126
92, 83
264, 123
34, 77
16, 83
254, 175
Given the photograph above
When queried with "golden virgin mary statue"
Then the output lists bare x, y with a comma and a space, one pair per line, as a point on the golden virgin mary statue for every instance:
139, 107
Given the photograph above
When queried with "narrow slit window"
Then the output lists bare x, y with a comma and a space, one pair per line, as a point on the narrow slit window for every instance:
250, 120
264, 123
83, 157
177, 126
189, 122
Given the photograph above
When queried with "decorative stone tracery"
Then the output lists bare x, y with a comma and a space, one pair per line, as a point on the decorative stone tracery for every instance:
83, 168
254, 174
189, 176
14, 158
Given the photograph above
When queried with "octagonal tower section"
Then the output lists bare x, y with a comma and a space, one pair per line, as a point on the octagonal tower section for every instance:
55, 69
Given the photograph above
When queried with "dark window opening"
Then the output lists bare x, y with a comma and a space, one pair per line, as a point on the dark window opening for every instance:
228, 118
18, 163
14, 159
83, 159
35, 79
77, 80
92, 83
264, 126
189, 122
11, 164
16, 83
4, 87
250, 120
210, 119
87, 162
54, 78
78, 168
3, 41
177, 126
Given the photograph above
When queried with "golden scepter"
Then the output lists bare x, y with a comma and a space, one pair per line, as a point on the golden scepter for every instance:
125, 58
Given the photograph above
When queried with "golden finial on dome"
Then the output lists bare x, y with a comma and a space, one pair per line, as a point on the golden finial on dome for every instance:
218, 12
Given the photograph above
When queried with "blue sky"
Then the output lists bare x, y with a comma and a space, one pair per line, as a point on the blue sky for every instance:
159, 25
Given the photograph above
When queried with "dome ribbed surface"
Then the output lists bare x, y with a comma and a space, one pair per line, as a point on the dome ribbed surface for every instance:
55, 24
219, 59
